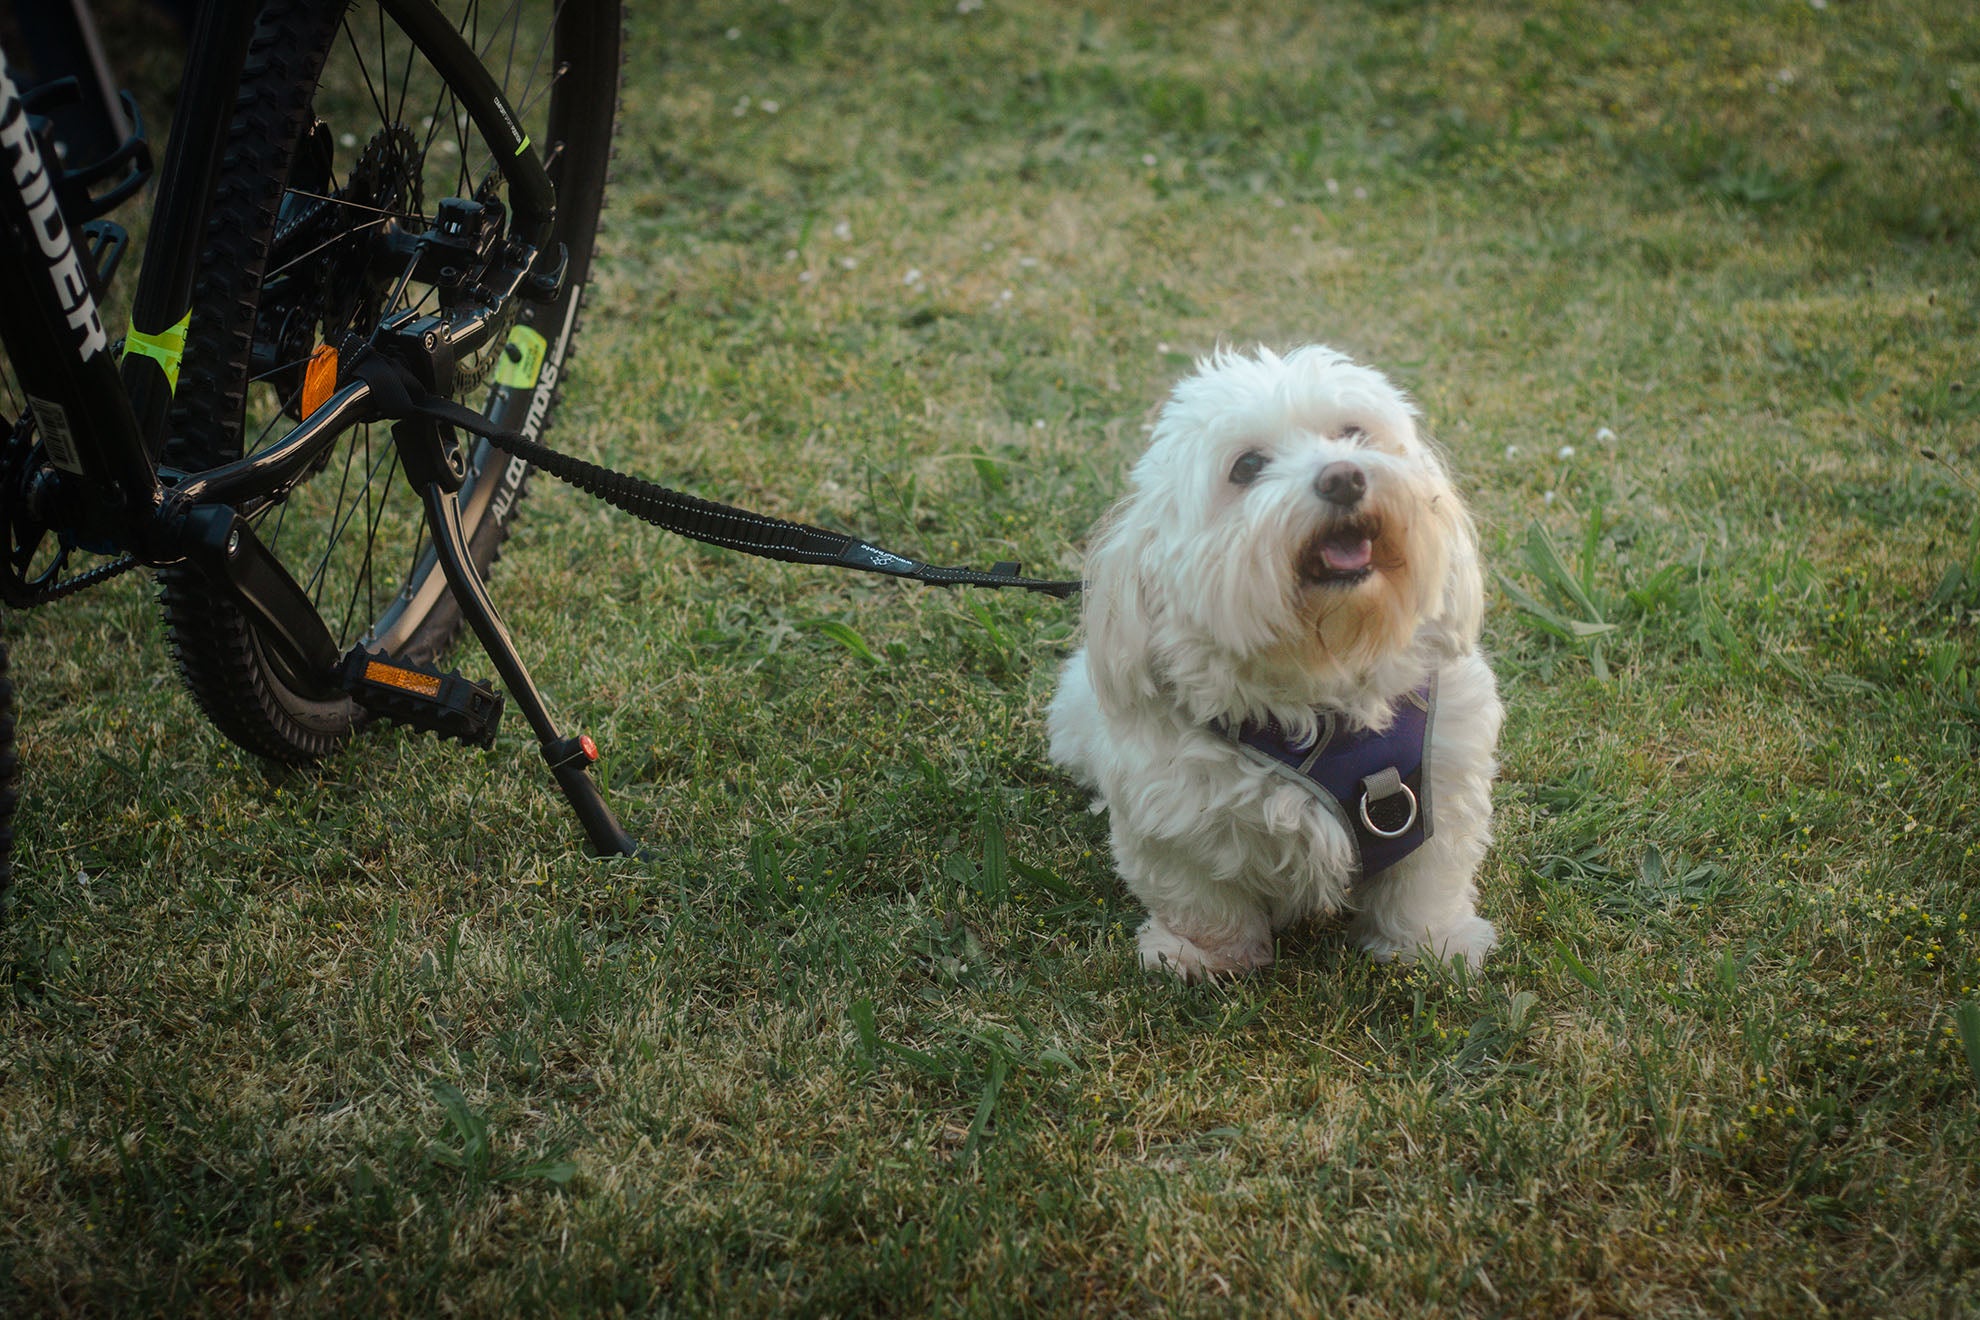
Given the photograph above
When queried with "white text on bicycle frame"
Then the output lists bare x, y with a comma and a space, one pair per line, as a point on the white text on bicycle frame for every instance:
45, 216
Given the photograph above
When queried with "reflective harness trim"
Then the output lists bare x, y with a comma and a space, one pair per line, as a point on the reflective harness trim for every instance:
1377, 785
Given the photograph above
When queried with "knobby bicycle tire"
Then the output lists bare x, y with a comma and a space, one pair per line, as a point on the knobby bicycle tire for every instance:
10, 766
317, 164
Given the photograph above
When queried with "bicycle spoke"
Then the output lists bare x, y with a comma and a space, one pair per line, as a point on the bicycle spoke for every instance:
364, 70
268, 426
531, 94
372, 468
328, 243
526, 103
383, 213
364, 573
386, 115
405, 82
273, 539
315, 583
398, 291
509, 21
420, 544
509, 58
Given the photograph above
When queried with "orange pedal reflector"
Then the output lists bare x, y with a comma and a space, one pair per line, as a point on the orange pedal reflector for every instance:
411, 680
320, 379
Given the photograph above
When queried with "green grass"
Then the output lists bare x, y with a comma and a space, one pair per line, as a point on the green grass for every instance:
868, 1033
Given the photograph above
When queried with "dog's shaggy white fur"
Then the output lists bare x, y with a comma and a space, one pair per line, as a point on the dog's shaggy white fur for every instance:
1290, 548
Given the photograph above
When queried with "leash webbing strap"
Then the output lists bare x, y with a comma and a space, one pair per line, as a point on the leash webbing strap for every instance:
728, 527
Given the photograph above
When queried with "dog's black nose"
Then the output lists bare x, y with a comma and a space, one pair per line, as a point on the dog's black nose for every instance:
1341, 483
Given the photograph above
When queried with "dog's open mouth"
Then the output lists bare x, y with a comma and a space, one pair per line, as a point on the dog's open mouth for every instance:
1343, 553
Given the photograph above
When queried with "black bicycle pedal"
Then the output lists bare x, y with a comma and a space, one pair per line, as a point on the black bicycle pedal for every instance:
422, 697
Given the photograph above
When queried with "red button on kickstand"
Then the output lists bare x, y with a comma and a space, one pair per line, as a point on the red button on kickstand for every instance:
590, 747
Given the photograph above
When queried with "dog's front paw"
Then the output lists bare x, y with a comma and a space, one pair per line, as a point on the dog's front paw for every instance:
1162, 949
1471, 938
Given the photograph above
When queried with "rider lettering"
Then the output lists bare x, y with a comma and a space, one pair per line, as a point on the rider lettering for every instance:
65, 269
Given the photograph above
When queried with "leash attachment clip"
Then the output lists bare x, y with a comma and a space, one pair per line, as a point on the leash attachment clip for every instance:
1381, 791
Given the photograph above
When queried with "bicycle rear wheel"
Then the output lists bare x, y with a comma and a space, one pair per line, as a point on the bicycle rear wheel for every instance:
10, 768
346, 137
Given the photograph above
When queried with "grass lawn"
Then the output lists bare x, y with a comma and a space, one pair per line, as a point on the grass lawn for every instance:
1687, 292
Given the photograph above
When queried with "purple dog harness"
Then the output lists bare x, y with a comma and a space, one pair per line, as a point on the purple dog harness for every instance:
1376, 784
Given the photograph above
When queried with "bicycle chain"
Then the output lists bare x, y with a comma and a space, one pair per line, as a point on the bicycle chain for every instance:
15, 589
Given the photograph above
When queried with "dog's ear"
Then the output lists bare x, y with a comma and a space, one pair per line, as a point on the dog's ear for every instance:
1120, 616
1462, 611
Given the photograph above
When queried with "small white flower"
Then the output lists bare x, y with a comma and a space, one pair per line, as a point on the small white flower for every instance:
1277, 202
1606, 436
1038, 424
772, 107
733, 34
1512, 451
790, 254
849, 263
1548, 498
1005, 296
348, 140
1148, 158
1333, 187
912, 277
741, 107
804, 277
1027, 262
1161, 348
843, 231
968, 6
1360, 194
1567, 451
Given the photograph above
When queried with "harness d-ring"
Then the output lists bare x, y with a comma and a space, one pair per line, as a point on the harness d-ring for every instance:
1408, 821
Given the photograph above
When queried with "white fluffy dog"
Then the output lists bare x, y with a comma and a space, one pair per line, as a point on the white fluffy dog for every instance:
1291, 585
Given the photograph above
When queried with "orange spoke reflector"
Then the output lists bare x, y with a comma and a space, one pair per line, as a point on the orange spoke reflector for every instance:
427, 685
320, 380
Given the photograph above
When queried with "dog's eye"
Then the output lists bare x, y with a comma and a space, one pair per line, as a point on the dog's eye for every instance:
1245, 471
1355, 435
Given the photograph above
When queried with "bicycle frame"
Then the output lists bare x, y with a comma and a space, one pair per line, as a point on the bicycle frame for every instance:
102, 423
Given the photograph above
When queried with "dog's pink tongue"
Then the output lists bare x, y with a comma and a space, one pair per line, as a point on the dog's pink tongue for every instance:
1347, 557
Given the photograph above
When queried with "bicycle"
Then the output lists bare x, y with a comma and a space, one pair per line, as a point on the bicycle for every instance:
330, 253
362, 220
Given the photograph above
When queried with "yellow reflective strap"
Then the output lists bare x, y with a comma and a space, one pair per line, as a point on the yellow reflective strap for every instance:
523, 146
165, 348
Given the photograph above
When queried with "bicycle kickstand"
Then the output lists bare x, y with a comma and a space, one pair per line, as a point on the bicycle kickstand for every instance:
432, 466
